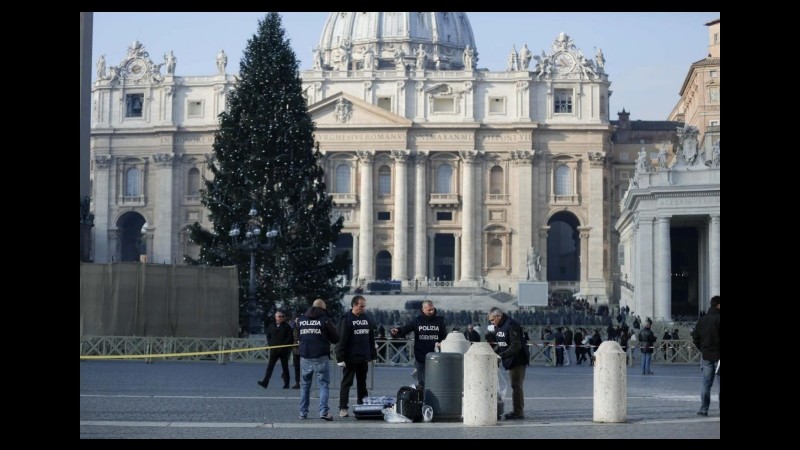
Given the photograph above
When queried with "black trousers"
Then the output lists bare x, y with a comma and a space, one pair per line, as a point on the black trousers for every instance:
359, 371
274, 355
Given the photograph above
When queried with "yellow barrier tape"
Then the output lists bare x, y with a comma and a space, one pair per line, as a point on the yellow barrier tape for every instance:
169, 355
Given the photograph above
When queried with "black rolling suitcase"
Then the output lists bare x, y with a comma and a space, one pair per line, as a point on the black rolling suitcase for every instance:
373, 408
409, 403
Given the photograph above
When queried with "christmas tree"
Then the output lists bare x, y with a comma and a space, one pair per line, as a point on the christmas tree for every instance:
267, 175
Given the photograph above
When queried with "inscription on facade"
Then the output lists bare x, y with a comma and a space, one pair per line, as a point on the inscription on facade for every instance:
689, 201
497, 138
441, 137
190, 140
367, 136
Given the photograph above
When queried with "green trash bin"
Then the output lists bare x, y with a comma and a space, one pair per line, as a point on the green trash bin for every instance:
444, 385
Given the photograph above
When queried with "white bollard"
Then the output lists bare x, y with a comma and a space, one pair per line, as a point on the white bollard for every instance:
610, 384
480, 385
455, 342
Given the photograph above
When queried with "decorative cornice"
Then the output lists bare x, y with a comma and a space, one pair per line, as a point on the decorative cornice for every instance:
102, 161
470, 156
522, 157
164, 159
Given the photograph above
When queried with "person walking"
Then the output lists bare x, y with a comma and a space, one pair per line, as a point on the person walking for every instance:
513, 352
355, 350
429, 330
317, 333
706, 338
279, 333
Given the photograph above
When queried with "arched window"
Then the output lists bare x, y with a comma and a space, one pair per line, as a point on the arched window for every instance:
444, 177
193, 182
384, 180
342, 184
133, 182
563, 181
495, 253
496, 180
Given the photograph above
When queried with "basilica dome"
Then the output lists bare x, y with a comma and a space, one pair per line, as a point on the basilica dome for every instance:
394, 40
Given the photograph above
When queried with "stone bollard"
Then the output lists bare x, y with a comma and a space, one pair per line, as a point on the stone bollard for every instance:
610, 384
455, 342
480, 385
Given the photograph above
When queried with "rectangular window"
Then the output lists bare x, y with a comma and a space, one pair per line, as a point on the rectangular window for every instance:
716, 38
444, 215
444, 105
133, 105
497, 105
624, 175
385, 103
384, 215
713, 123
713, 94
621, 255
623, 156
714, 74
195, 108
563, 101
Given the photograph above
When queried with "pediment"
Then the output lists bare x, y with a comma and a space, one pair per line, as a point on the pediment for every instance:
343, 111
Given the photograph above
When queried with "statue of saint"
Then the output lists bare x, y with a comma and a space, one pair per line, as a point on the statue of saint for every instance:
101, 67
171, 61
222, 62
422, 57
524, 57
600, 60
534, 264
469, 58
369, 58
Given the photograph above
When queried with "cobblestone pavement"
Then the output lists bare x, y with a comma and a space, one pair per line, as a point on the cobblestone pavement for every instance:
131, 399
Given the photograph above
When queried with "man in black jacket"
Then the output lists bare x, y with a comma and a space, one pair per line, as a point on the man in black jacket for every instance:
706, 338
356, 348
513, 352
279, 334
429, 330
317, 333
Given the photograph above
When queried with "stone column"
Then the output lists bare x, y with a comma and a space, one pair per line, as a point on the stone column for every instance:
102, 215
366, 252
420, 221
643, 289
663, 269
400, 263
356, 273
713, 256
432, 254
594, 193
161, 251
457, 257
543, 230
584, 257
524, 238
468, 216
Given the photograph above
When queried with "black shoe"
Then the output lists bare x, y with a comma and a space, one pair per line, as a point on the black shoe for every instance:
296, 386
262, 384
701, 413
514, 416
286, 386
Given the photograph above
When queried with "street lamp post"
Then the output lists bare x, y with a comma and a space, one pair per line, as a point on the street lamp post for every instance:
251, 244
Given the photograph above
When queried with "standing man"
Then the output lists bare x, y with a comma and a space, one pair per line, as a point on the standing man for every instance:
429, 330
354, 352
317, 333
706, 338
513, 352
279, 334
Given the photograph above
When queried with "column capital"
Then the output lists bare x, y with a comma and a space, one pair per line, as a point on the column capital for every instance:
522, 157
585, 232
164, 159
400, 156
420, 158
366, 156
102, 161
597, 159
714, 218
662, 219
470, 156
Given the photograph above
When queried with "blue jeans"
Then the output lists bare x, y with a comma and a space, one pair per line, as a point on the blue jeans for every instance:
646, 362
709, 368
309, 367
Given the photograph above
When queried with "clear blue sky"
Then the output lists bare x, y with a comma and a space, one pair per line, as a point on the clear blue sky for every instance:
647, 54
